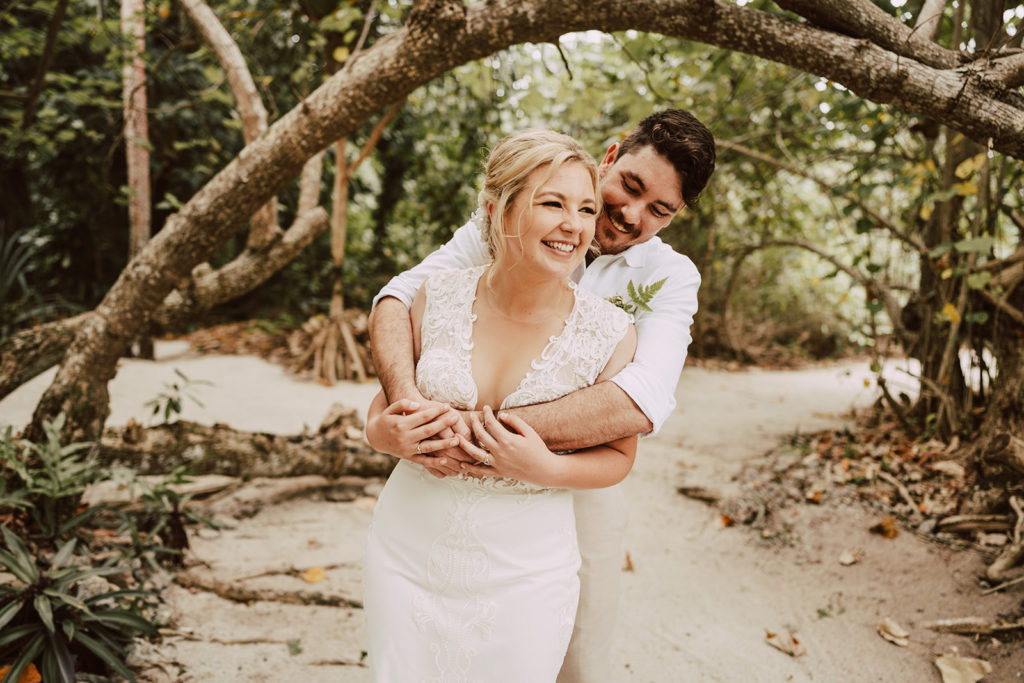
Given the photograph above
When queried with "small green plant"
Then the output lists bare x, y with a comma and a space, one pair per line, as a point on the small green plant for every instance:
42, 620
158, 531
171, 400
51, 478
637, 296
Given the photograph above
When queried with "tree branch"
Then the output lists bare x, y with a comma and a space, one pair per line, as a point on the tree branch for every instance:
263, 224
44, 63
957, 97
375, 134
1007, 72
885, 291
829, 188
248, 270
926, 26
864, 19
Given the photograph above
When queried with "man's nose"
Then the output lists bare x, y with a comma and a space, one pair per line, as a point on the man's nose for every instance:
631, 212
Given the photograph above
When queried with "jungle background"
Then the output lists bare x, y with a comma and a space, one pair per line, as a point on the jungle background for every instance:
142, 199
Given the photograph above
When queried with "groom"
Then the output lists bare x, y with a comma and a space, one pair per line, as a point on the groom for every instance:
658, 169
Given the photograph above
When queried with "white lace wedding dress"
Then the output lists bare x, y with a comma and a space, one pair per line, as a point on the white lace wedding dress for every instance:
475, 579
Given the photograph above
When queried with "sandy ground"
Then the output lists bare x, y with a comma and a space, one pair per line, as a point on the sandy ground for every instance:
698, 598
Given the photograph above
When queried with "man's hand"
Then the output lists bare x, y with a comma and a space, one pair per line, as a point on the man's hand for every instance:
419, 432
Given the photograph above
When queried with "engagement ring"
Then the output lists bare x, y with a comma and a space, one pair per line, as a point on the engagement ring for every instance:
419, 445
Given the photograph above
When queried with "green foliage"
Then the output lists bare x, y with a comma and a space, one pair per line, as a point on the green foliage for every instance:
48, 478
170, 401
157, 533
638, 297
46, 618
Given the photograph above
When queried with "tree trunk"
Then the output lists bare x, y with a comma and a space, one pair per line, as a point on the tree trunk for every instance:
337, 449
136, 138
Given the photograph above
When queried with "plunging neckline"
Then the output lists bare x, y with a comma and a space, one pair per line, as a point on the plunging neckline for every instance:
545, 352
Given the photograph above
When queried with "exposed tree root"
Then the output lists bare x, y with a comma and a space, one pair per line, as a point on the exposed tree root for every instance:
233, 591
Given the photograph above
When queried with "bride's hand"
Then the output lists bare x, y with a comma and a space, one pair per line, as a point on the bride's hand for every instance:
414, 431
508, 447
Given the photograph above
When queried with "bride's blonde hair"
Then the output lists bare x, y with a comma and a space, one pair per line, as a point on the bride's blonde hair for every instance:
507, 169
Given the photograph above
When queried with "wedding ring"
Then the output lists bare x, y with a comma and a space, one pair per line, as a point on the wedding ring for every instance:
487, 461
419, 446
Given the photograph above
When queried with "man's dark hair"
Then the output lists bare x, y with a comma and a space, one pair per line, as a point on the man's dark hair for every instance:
677, 135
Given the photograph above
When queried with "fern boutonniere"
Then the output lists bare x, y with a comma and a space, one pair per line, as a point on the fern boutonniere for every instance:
638, 297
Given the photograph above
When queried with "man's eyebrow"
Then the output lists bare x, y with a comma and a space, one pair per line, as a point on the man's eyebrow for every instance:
635, 179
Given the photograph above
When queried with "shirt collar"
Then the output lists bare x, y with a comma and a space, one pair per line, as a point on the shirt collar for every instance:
637, 255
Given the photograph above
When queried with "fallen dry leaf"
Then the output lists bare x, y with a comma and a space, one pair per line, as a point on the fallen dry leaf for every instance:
313, 574
848, 557
886, 528
727, 520
953, 469
28, 675
786, 641
957, 669
628, 566
893, 632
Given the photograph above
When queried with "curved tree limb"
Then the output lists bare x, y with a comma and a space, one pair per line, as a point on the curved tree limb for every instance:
263, 225
209, 288
864, 19
1007, 72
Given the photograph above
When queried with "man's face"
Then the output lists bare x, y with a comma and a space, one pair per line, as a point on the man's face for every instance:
641, 192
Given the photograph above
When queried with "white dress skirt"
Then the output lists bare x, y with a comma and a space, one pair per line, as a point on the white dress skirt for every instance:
470, 579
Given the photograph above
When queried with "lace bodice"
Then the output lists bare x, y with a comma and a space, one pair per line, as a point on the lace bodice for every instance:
571, 360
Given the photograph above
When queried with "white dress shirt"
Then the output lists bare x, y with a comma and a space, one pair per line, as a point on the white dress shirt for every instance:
663, 333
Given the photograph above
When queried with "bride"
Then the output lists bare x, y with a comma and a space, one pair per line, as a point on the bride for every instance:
474, 578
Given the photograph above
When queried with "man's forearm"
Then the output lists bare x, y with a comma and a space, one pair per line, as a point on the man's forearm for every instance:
592, 416
391, 341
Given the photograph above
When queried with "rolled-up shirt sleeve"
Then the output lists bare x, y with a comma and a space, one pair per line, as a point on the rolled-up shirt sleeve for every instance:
465, 249
663, 335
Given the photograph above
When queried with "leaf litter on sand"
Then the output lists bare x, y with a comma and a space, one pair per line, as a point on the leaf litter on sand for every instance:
785, 640
957, 669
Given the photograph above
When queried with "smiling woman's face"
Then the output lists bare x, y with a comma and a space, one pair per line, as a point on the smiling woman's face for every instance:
551, 222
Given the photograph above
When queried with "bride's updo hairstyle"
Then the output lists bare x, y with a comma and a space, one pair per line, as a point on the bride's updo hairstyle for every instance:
506, 173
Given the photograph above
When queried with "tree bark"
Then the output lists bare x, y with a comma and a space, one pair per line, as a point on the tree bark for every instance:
136, 133
439, 35
33, 351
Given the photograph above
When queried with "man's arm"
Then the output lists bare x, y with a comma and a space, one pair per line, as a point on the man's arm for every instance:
640, 398
390, 328
391, 343
598, 414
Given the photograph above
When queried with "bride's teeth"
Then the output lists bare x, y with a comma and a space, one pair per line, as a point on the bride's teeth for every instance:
560, 246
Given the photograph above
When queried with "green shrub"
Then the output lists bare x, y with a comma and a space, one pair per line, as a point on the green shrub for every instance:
44, 620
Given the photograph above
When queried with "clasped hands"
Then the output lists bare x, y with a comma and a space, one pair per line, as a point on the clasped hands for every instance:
447, 441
